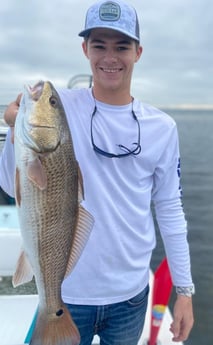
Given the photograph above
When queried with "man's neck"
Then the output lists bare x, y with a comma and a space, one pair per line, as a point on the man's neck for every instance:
112, 96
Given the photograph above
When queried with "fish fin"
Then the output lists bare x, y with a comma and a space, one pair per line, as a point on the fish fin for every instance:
83, 228
80, 186
18, 188
55, 329
24, 272
37, 174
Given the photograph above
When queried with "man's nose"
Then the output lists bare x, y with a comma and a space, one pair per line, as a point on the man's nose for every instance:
110, 55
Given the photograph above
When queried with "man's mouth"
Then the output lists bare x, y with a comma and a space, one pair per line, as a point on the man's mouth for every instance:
111, 70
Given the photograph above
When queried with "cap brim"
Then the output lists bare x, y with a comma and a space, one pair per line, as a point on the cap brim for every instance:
85, 33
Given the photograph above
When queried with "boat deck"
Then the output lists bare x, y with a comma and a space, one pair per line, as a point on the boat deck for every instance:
17, 314
17, 311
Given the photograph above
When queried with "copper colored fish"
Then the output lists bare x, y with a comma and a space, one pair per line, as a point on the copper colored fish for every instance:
54, 225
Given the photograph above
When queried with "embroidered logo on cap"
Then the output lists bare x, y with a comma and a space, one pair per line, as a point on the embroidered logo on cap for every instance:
109, 11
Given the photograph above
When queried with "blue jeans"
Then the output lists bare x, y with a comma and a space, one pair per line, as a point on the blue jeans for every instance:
116, 324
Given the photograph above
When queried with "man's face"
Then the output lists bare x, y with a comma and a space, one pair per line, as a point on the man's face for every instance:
112, 57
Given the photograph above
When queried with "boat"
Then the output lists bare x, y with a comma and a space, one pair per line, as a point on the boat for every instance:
18, 312
3, 132
16, 327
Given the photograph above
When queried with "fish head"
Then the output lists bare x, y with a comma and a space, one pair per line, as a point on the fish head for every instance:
44, 116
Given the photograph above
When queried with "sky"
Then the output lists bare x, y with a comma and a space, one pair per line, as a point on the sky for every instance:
39, 40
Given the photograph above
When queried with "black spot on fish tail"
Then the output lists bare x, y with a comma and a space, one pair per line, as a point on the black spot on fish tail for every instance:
59, 312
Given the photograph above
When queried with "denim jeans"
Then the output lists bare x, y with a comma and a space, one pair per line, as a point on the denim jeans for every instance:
116, 324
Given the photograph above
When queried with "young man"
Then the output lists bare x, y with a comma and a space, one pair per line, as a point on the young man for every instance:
129, 156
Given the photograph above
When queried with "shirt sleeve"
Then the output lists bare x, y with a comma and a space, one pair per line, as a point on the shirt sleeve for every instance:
7, 166
167, 199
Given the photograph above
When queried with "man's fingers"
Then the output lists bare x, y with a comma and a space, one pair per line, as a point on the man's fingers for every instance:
175, 329
18, 99
11, 111
180, 329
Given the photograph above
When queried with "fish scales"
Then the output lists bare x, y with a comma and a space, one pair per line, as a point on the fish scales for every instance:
52, 245
54, 226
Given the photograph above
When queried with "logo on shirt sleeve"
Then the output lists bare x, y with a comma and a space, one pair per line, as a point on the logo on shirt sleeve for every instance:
179, 175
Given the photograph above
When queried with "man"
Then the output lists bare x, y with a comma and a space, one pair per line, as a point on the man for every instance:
129, 157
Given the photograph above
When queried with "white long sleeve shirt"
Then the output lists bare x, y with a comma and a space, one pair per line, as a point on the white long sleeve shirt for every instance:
114, 265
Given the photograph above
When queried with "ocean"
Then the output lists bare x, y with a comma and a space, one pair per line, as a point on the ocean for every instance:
195, 129
196, 145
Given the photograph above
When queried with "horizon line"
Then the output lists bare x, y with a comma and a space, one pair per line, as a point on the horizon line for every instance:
186, 106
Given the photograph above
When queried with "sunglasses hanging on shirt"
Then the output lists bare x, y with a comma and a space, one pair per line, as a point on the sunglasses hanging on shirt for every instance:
126, 150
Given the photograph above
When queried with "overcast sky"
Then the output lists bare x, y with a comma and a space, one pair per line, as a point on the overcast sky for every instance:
39, 40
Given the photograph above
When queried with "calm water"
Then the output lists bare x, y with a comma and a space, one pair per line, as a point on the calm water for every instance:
196, 145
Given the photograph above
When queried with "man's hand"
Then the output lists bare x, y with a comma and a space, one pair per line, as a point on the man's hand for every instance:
11, 113
183, 318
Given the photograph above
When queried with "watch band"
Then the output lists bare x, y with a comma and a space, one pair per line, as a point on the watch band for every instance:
185, 290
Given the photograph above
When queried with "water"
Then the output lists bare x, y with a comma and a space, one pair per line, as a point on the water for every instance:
2, 108
196, 145
2, 123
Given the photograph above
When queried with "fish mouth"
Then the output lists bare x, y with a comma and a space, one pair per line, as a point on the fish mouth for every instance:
35, 92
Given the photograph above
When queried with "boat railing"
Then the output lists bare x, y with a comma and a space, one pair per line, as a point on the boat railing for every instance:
79, 81
5, 199
3, 133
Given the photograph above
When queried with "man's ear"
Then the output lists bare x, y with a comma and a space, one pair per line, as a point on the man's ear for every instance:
139, 52
84, 47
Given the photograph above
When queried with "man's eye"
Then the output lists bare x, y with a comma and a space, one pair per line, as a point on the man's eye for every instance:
99, 47
122, 48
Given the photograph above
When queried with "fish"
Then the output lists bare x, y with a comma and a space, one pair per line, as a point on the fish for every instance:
54, 225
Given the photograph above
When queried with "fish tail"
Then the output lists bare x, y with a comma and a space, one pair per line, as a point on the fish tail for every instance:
55, 329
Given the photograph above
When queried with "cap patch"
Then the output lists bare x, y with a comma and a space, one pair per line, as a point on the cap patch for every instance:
109, 11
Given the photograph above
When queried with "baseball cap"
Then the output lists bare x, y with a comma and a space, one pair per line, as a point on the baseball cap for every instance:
116, 15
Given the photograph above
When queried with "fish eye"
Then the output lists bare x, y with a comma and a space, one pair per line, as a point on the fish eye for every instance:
53, 101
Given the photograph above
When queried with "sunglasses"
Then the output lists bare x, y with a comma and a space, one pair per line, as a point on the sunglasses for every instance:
127, 151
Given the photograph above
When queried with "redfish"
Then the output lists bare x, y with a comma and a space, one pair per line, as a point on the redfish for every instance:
54, 225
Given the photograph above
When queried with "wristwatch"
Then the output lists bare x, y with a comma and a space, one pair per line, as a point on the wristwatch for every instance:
185, 290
